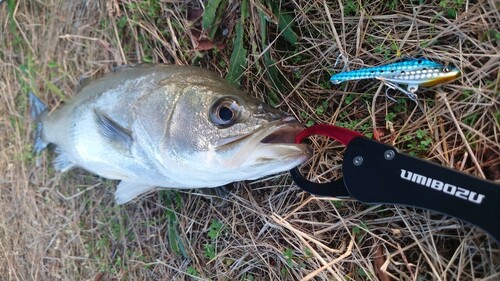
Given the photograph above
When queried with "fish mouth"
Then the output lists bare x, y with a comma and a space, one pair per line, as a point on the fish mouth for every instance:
274, 146
283, 133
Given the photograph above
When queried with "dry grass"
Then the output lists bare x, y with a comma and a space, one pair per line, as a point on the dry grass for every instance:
67, 227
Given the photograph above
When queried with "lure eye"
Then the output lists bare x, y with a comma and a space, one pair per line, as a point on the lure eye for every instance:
446, 69
224, 112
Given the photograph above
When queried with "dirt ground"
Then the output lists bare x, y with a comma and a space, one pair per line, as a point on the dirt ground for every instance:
67, 227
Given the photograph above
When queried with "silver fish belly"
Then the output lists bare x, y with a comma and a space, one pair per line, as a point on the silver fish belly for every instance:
168, 126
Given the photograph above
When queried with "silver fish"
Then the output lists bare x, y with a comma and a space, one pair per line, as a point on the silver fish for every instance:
168, 126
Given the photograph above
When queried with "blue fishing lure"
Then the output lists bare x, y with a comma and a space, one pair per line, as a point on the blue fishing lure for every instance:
411, 72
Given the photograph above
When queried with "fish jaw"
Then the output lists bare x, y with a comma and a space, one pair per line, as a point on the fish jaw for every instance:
269, 150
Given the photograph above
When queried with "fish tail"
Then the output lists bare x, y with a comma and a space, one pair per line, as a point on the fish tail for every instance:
38, 111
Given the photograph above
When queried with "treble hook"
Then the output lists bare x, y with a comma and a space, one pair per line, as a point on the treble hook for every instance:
346, 61
387, 93
410, 94
393, 86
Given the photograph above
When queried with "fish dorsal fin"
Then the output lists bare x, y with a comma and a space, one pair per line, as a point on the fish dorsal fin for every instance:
122, 67
83, 82
112, 131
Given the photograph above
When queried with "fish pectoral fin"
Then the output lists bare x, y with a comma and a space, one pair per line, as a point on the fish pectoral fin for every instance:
112, 131
127, 191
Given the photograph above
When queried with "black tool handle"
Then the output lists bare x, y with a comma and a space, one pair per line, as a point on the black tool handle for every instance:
376, 173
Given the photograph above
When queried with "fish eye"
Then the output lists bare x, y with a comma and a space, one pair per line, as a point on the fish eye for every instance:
224, 112
446, 69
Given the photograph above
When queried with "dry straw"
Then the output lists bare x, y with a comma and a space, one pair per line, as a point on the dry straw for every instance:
67, 227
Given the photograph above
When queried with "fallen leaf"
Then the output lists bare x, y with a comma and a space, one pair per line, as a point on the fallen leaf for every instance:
194, 15
378, 263
204, 45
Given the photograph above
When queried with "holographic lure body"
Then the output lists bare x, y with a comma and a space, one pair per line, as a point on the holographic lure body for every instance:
411, 72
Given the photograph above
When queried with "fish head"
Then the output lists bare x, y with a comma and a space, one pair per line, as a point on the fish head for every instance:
218, 134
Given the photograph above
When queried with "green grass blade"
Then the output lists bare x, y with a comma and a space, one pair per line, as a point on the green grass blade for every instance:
212, 16
173, 240
209, 15
285, 22
272, 70
238, 59
285, 27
